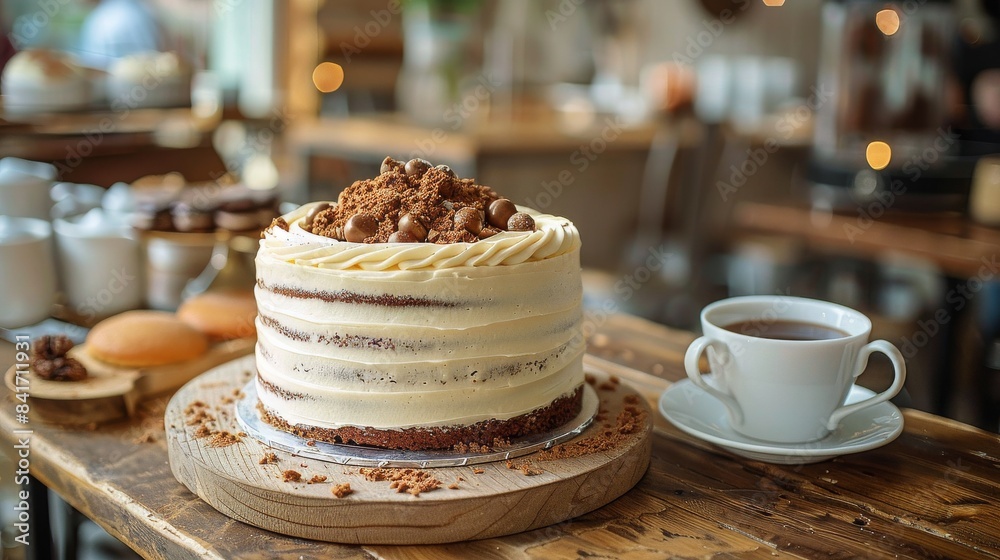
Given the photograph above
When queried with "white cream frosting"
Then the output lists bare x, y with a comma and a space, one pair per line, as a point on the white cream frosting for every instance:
553, 236
392, 336
336, 409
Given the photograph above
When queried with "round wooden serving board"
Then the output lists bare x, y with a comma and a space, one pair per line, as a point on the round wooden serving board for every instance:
498, 501
112, 392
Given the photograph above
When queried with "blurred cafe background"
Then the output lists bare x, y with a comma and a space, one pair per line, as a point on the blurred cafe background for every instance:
847, 150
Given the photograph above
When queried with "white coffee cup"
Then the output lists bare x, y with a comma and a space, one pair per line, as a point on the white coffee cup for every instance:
24, 188
100, 263
786, 390
27, 271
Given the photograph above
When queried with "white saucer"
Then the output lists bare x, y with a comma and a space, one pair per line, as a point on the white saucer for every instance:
701, 415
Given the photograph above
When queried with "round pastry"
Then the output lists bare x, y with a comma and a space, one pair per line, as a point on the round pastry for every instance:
37, 80
221, 315
145, 338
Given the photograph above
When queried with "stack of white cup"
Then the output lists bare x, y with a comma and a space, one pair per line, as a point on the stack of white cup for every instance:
27, 267
92, 256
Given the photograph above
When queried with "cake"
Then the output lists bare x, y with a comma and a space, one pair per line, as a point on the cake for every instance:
450, 318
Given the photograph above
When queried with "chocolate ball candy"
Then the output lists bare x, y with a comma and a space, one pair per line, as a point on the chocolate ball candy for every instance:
447, 170
360, 227
402, 237
313, 212
521, 222
499, 212
412, 226
388, 164
469, 219
417, 167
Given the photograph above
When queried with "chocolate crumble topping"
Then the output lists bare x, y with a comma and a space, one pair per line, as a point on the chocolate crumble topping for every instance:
414, 202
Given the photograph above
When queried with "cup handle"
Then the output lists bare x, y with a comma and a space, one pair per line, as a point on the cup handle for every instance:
898, 364
691, 358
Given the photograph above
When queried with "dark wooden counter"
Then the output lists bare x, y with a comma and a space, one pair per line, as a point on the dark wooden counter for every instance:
958, 246
930, 493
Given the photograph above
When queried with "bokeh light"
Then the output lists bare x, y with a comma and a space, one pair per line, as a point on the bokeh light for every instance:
328, 77
887, 21
878, 155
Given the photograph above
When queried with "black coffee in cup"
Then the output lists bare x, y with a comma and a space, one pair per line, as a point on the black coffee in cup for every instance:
785, 330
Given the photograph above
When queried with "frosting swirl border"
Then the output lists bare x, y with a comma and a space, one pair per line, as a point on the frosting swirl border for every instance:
553, 236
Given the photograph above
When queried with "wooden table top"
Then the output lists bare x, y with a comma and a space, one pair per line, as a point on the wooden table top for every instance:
954, 243
930, 493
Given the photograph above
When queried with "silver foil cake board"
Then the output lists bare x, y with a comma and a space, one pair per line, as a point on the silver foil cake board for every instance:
250, 421
291, 490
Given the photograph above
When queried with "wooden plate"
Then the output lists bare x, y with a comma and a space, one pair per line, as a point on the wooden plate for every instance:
497, 501
111, 392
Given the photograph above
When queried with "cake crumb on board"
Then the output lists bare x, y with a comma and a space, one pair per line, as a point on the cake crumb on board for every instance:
224, 439
630, 420
268, 459
291, 476
525, 466
412, 481
317, 479
342, 489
